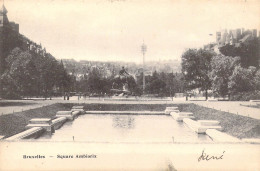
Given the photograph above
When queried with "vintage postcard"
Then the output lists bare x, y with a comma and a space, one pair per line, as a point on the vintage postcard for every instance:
129, 85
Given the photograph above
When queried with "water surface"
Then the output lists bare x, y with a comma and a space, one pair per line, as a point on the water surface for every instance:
125, 129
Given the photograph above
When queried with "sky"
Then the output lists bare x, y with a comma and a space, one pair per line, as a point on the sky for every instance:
114, 30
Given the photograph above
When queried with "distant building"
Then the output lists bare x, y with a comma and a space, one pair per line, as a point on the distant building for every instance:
234, 37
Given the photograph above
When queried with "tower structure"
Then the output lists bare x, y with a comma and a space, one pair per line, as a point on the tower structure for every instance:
3, 31
9, 33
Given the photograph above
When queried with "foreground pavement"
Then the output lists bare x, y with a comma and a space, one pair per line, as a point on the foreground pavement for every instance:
127, 156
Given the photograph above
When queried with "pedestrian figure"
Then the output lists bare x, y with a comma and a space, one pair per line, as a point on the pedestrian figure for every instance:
68, 96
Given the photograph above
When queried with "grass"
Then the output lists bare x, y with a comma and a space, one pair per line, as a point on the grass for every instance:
235, 125
3, 104
125, 107
14, 123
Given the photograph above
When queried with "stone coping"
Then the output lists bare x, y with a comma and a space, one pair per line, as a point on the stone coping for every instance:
64, 112
200, 129
212, 100
80, 110
127, 112
59, 119
251, 140
180, 118
222, 137
37, 125
254, 100
185, 113
25, 134
208, 122
76, 112
173, 111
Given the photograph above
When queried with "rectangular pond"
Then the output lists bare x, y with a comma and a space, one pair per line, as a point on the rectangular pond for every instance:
110, 128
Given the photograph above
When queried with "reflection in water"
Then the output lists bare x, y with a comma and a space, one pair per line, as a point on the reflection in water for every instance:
125, 128
123, 121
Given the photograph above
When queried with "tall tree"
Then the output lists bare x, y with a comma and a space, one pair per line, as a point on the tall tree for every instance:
242, 80
222, 69
196, 67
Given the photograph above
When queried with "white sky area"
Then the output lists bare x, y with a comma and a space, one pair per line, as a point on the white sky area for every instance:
114, 30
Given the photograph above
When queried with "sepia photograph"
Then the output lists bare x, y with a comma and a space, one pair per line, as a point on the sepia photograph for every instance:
125, 85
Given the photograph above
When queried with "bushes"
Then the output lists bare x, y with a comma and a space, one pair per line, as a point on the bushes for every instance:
246, 96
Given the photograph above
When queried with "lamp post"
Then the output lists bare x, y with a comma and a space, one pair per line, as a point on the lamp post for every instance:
143, 49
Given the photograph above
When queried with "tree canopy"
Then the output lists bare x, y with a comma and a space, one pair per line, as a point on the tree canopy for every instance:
196, 67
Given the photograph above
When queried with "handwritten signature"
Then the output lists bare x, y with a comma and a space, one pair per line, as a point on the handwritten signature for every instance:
207, 157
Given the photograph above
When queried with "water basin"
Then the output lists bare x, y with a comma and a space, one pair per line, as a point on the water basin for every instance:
112, 128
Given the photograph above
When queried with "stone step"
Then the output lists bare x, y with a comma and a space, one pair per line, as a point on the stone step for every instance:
180, 118
186, 114
40, 121
80, 110
64, 113
171, 108
77, 107
168, 111
208, 122
174, 111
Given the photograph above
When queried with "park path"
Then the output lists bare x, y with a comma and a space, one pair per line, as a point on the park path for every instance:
36, 103
233, 107
30, 104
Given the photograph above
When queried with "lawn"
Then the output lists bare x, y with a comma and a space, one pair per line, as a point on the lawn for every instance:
14, 123
235, 125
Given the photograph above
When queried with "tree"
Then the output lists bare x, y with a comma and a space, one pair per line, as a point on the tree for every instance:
31, 74
242, 80
21, 72
222, 69
196, 68
257, 80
